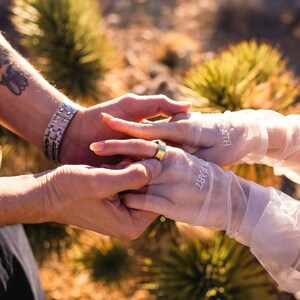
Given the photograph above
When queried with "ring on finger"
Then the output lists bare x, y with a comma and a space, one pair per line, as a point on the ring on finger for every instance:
161, 149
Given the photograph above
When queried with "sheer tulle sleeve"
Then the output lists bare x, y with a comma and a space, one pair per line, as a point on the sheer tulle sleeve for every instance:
283, 142
271, 228
264, 219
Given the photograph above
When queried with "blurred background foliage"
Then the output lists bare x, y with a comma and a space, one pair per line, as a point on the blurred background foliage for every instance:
215, 269
65, 41
217, 54
245, 76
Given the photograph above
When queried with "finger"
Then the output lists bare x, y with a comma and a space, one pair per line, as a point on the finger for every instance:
174, 132
133, 177
151, 203
210, 155
160, 121
151, 106
142, 190
131, 147
121, 165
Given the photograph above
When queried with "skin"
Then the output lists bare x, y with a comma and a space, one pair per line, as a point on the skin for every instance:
172, 190
90, 121
181, 131
80, 195
32, 99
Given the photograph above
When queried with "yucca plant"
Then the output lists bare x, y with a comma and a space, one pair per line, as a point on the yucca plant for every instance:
159, 237
176, 50
107, 260
65, 40
248, 75
221, 269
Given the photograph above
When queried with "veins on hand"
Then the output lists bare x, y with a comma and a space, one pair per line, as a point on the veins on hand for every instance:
10, 76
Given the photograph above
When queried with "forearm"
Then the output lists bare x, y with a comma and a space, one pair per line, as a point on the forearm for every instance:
283, 143
27, 101
264, 219
21, 199
259, 136
270, 228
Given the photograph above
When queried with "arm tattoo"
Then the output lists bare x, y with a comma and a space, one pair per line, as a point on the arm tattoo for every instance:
11, 77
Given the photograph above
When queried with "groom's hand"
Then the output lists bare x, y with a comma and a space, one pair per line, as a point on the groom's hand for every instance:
91, 198
88, 127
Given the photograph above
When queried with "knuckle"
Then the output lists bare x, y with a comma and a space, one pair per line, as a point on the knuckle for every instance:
140, 175
64, 169
129, 97
164, 97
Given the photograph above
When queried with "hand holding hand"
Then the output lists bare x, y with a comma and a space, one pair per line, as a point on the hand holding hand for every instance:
88, 197
87, 126
223, 139
188, 189
183, 187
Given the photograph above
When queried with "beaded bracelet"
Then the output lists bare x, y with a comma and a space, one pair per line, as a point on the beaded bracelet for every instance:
56, 129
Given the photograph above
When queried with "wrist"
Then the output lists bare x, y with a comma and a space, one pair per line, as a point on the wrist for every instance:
56, 130
25, 204
256, 202
72, 139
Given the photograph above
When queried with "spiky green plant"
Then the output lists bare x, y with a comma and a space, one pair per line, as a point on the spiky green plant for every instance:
108, 261
248, 75
65, 41
159, 237
221, 269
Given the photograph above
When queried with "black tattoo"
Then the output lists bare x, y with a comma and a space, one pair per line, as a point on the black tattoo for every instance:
11, 77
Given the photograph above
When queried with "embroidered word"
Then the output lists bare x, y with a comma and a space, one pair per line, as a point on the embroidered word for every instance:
202, 176
225, 132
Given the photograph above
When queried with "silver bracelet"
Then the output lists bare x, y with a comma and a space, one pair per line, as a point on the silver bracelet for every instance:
56, 129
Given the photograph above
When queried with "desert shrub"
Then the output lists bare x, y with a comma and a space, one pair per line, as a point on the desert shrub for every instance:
218, 269
64, 39
247, 75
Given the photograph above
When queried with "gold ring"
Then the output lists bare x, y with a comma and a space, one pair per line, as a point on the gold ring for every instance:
161, 149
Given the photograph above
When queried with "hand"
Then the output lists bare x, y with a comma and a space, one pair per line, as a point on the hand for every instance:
183, 187
191, 190
88, 197
87, 126
223, 139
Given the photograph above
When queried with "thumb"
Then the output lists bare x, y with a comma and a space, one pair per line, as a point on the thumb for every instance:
156, 204
136, 175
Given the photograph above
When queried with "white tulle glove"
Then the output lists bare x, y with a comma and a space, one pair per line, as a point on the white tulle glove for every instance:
246, 136
197, 192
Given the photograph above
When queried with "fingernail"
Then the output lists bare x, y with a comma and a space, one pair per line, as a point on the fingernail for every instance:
106, 116
99, 146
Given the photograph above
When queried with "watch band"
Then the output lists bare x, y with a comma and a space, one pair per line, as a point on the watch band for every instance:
56, 129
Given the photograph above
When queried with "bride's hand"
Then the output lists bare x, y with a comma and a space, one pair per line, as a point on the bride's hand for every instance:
185, 189
223, 139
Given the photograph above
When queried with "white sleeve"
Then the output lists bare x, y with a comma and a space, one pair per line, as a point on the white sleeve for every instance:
271, 228
264, 219
248, 136
283, 149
